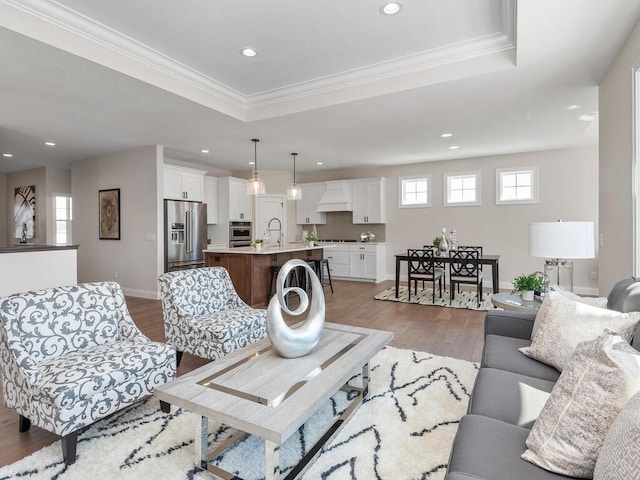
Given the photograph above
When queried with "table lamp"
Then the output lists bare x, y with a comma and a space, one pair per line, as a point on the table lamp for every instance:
560, 242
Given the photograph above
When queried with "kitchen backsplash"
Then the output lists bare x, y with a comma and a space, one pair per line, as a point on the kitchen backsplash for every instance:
340, 226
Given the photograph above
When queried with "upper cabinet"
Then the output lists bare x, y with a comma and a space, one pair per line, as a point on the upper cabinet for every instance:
211, 199
233, 202
306, 207
369, 200
182, 183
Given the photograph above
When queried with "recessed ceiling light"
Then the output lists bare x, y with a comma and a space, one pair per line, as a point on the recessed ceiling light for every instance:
573, 107
7, 155
319, 163
249, 52
588, 118
390, 8
204, 150
252, 163
446, 135
454, 147
50, 144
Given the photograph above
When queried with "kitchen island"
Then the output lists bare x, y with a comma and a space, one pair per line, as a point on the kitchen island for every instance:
250, 270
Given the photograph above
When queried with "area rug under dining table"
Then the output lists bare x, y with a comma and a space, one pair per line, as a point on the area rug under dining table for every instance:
463, 299
403, 430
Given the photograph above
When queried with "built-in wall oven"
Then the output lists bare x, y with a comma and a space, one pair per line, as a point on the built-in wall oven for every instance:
239, 234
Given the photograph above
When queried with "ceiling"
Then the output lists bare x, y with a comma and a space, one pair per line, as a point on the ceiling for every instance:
335, 81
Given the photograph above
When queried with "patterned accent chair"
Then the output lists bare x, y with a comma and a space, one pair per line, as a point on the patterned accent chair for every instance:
204, 316
72, 355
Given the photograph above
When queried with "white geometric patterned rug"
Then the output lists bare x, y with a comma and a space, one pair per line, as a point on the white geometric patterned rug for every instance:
463, 299
403, 430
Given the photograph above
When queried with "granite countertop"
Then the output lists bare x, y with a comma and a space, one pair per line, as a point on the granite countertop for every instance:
266, 250
35, 247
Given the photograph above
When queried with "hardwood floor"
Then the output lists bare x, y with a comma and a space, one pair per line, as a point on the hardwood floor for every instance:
442, 331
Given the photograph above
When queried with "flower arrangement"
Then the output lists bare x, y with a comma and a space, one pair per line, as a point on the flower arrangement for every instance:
312, 238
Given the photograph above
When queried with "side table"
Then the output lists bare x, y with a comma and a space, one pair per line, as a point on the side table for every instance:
514, 302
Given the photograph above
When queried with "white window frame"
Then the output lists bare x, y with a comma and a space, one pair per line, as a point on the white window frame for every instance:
500, 174
478, 190
401, 191
68, 221
635, 169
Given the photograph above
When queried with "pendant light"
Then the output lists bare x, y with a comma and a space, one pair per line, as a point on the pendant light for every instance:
294, 192
255, 186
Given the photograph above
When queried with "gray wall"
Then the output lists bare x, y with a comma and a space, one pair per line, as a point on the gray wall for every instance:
137, 257
616, 165
4, 209
568, 191
48, 180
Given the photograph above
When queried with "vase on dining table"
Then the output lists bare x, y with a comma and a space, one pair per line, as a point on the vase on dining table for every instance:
444, 245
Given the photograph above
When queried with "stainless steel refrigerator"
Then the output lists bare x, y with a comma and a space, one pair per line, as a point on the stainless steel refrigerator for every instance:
185, 234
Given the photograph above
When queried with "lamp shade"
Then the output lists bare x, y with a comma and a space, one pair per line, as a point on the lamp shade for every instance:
561, 240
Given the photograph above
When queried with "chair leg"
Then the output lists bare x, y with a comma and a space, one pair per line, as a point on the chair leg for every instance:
329, 277
440, 286
178, 358
165, 407
452, 292
69, 443
24, 424
433, 290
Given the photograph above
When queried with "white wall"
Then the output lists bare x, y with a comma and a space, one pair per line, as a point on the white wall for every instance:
568, 191
616, 165
136, 257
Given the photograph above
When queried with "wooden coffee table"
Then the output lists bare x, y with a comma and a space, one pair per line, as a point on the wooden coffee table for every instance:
257, 392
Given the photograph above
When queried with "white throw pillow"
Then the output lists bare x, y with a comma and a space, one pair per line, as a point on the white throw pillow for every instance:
600, 302
619, 457
600, 378
565, 323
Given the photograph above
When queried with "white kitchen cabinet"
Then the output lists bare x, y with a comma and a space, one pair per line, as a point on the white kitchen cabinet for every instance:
211, 199
306, 207
369, 200
233, 200
182, 183
338, 257
366, 261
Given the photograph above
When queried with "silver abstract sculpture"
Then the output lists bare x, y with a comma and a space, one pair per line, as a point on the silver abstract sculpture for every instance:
295, 342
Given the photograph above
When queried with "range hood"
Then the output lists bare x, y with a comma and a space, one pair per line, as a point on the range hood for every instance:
336, 198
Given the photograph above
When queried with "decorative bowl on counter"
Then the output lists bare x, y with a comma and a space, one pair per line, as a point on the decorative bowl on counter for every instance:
367, 236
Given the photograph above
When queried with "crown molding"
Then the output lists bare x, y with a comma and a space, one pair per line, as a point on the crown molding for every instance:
64, 28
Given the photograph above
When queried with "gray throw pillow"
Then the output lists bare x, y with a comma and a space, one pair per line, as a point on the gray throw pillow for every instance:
566, 323
602, 375
619, 457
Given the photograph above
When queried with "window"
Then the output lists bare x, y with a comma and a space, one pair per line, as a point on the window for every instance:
516, 186
414, 192
62, 205
462, 189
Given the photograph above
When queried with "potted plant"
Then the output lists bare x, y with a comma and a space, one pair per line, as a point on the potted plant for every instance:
527, 285
257, 244
436, 243
311, 239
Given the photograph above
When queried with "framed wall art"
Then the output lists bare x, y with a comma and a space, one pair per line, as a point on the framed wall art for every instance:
24, 213
109, 214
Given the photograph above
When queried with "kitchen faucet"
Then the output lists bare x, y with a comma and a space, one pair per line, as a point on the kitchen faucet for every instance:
278, 229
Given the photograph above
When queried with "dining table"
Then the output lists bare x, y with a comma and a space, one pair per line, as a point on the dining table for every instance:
491, 260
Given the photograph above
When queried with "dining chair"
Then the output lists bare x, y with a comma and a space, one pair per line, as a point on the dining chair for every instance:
472, 248
464, 268
422, 267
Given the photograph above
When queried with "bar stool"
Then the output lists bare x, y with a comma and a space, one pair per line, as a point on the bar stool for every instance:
274, 270
319, 267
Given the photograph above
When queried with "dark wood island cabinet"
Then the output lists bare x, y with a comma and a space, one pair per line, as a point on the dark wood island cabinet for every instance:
250, 270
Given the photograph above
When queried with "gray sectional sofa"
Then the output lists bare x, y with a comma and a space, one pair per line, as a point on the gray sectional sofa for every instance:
510, 391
